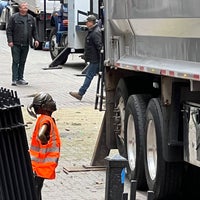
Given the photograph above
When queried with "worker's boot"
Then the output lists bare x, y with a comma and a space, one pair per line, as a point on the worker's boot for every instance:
76, 95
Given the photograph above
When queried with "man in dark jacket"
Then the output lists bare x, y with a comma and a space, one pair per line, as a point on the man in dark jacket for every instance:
93, 46
20, 31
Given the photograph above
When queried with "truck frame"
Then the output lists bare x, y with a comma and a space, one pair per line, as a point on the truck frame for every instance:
152, 85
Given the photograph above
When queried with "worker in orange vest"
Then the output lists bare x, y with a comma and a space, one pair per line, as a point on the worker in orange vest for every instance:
45, 143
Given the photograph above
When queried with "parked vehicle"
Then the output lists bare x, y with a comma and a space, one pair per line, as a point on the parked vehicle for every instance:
152, 85
40, 9
70, 37
59, 32
3, 6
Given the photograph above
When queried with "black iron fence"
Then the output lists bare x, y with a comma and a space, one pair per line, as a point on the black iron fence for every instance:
16, 177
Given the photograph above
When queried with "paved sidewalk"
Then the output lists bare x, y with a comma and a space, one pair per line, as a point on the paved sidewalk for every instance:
58, 82
77, 121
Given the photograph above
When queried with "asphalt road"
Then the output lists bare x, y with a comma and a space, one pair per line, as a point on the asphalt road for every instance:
78, 122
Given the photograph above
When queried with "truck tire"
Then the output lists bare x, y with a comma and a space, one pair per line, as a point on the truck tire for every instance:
121, 97
55, 50
163, 178
134, 137
52, 45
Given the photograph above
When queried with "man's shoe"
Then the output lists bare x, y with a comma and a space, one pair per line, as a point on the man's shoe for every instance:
76, 95
14, 83
22, 82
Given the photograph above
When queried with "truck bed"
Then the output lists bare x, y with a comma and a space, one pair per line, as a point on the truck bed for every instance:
166, 67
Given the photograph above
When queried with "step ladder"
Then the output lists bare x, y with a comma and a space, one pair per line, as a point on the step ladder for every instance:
100, 90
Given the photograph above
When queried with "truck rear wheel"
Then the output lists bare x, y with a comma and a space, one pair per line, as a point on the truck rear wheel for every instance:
55, 50
134, 137
121, 96
164, 178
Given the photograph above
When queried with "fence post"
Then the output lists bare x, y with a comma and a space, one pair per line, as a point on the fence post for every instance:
150, 195
115, 177
125, 196
133, 189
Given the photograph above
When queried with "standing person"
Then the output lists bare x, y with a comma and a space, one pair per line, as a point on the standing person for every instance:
62, 24
20, 31
93, 46
45, 143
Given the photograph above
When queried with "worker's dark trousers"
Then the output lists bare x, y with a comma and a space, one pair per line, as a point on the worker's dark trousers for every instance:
38, 186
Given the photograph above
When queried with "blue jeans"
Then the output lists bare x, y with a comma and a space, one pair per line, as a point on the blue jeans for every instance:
19, 55
91, 71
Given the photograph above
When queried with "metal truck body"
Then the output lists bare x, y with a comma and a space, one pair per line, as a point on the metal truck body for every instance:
152, 84
37, 8
77, 13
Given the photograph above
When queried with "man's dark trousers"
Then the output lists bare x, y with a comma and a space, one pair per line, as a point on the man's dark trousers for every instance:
19, 55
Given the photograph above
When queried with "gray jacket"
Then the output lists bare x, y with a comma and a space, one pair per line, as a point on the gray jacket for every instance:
15, 30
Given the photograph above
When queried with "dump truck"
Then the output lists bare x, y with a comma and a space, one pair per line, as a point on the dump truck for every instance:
39, 9
151, 73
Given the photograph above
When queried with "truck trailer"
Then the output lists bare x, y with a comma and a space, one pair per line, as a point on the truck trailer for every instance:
152, 86
39, 9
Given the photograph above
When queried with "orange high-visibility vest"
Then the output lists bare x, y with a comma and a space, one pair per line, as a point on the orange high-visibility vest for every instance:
44, 158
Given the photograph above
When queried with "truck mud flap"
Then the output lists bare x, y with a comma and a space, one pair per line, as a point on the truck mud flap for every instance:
59, 59
101, 150
16, 174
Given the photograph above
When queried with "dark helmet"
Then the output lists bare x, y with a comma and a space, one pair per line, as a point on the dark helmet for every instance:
91, 18
42, 103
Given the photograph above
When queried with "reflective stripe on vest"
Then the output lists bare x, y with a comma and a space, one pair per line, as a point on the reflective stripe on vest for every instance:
45, 150
45, 160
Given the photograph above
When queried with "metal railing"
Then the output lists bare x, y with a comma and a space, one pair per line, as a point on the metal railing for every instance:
16, 177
